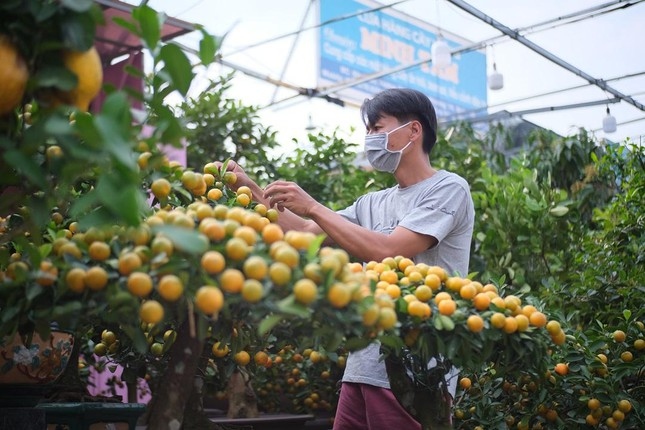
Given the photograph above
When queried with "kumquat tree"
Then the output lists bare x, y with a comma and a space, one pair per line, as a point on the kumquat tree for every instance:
177, 274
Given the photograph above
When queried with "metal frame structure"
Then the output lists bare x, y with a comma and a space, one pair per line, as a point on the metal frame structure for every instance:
330, 93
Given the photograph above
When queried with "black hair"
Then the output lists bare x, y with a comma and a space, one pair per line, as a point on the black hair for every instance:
404, 104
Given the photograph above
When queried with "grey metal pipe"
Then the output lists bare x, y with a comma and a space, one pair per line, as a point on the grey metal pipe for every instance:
543, 52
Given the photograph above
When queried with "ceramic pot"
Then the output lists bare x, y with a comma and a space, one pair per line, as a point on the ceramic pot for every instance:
38, 362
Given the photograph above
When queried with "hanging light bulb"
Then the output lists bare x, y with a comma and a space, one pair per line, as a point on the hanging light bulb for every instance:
310, 126
609, 123
495, 79
441, 56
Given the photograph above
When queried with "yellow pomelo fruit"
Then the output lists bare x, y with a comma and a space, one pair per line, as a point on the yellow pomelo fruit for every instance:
87, 67
13, 76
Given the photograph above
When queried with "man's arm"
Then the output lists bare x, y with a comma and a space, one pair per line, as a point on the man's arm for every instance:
368, 245
358, 241
287, 219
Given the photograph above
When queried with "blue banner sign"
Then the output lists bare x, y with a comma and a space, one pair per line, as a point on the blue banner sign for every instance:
376, 42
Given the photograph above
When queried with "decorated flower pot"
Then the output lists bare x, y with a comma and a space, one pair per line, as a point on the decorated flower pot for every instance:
40, 361
29, 367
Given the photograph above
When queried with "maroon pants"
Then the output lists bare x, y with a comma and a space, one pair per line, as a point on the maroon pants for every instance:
365, 407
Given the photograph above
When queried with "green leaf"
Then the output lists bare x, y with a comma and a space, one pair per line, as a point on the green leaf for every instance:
178, 67
117, 107
132, 28
288, 305
133, 71
27, 166
85, 125
447, 322
99, 217
139, 340
207, 48
42, 11
120, 197
82, 205
453, 347
66, 309
222, 169
54, 77
356, 343
332, 341
6, 143
171, 127
268, 323
314, 247
8, 313
438, 323
78, 31
187, 240
393, 342
43, 328
58, 126
45, 249
532, 205
150, 24
559, 211
115, 143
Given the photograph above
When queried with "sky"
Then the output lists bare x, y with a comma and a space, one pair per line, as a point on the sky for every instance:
607, 46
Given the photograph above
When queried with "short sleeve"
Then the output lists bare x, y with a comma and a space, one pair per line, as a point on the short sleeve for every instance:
350, 213
438, 213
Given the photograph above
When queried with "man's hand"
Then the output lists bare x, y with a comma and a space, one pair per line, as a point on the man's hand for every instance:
283, 194
242, 177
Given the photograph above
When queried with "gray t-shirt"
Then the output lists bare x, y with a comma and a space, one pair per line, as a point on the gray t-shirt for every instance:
440, 206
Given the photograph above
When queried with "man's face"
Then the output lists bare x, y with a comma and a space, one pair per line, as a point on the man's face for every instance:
397, 138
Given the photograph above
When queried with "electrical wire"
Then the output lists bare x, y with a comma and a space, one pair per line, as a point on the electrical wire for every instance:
535, 96
506, 114
322, 24
194, 5
580, 15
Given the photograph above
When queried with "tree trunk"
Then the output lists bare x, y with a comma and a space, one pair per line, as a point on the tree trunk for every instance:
166, 409
242, 401
195, 417
132, 391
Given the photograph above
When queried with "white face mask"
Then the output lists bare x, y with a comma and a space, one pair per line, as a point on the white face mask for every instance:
381, 158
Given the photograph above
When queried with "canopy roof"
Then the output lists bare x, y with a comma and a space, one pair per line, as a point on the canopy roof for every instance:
113, 41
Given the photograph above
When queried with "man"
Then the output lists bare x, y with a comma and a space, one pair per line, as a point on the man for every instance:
428, 217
